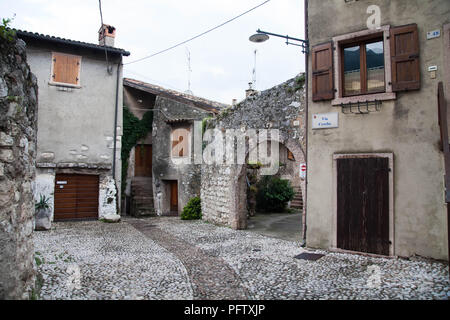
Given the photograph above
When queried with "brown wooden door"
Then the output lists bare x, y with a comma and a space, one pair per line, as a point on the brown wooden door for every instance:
143, 161
363, 205
174, 196
76, 196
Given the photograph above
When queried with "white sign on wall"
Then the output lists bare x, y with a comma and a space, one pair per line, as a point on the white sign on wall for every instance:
325, 120
302, 170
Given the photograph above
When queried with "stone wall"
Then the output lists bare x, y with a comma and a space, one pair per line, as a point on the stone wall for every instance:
223, 189
188, 175
18, 118
216, 185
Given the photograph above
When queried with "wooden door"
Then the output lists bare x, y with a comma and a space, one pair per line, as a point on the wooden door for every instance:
143, 160
174, 196
363, 205
76, 196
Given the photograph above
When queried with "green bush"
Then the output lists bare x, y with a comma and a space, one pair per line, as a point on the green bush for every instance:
6, 32
273, 194
193, 210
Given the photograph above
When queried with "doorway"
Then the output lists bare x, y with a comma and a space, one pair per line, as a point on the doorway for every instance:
173, 197
363, 204
143, 160
76, 197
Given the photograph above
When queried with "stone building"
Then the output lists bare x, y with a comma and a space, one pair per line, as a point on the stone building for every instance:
162, 176
79, 121
224, 186
18, 115
375, 167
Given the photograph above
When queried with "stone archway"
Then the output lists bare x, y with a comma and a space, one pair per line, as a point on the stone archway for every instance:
238, 214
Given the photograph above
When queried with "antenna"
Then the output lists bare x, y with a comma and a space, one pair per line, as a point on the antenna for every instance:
188, 54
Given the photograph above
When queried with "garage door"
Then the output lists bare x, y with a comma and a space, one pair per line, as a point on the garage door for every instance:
76, 196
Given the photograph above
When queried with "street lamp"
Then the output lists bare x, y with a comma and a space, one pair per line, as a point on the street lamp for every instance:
261, 36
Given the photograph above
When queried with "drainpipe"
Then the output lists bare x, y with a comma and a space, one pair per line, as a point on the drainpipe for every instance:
115, 135
306, 124
115, 120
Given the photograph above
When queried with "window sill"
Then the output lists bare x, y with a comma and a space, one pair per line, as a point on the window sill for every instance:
65, 85
365, 98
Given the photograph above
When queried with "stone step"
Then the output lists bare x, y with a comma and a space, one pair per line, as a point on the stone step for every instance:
143, 197
141, 190
146, 209
141, 213
142, 203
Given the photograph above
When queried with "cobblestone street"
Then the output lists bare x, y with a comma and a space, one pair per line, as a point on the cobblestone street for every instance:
166, 258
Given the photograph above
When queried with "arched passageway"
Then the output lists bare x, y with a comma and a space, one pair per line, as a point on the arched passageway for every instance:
245, 213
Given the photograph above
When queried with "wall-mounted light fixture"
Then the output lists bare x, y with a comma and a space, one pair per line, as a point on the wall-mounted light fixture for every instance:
261, 36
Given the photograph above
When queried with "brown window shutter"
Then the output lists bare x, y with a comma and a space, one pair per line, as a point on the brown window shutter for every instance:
322, 72
59, 65
405, 56
72, 68
66, 68
290, 155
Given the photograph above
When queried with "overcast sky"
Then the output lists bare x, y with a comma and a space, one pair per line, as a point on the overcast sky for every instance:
221, 61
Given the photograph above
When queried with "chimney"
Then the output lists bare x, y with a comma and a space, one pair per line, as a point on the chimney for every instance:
250, 91
106, 35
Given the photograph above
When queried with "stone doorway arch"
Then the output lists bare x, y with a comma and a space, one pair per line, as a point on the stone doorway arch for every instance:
238, 215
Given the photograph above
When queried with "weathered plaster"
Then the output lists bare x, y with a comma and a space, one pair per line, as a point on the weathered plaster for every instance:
107, 197
406, 127
76, 125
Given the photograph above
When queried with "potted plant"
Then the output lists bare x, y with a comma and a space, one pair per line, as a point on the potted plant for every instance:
43, 213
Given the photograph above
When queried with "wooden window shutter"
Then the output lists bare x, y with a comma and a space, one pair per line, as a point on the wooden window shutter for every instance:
66, 68
322, 72
290, 155
405, 56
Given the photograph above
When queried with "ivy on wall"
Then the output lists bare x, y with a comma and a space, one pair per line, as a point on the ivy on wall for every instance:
133, 131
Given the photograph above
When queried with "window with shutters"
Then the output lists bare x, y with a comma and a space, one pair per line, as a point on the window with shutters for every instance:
65, 69
180, 142
366, 66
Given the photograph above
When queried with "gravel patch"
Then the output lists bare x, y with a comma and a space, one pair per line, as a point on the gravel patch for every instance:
166, 258
97, 260
268, 269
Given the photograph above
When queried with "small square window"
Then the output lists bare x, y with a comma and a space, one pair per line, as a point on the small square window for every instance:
65, 69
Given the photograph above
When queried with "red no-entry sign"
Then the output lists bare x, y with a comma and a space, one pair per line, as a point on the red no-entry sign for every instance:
303, 170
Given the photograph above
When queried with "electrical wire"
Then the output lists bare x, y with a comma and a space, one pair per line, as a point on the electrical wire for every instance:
197, 36
108, 67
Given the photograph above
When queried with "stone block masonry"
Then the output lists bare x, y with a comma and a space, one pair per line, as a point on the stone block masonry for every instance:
224, 187
18, 118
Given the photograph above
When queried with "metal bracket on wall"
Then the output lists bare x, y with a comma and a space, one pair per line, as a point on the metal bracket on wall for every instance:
359, 107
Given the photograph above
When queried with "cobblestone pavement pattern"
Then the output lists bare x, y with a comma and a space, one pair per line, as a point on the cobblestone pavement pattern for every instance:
166, 258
